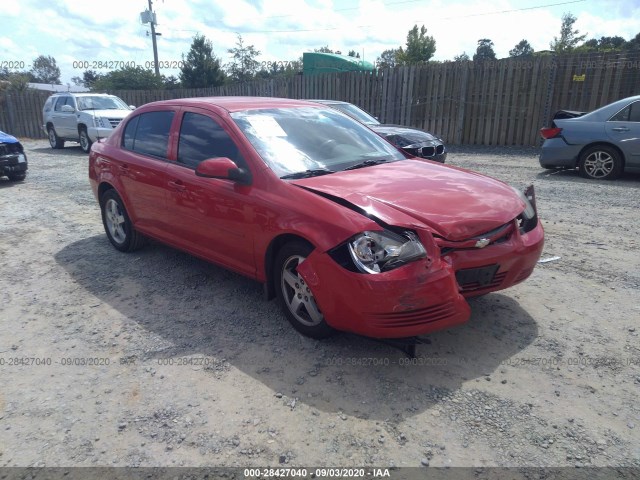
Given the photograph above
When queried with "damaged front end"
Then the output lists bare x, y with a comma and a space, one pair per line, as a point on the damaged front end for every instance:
397, 282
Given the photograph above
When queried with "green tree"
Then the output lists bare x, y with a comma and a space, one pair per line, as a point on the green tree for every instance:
484, 51
569, 38
633, 44
88, 79
45, 70
244, 65
201, 68
522, 49
420, 47
463, 57
388, 58
603, 44
324, 49
353, 53
129, 78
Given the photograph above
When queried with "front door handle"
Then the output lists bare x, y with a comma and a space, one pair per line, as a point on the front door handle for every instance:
620, 129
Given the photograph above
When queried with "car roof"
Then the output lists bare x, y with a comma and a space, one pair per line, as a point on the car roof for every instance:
602, 114
85, 94
236, 104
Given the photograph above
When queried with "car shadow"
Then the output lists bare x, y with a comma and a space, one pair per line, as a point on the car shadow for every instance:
71, 149
627, 179
198, 309
6, 183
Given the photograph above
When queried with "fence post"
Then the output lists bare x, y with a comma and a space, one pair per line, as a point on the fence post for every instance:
462, 99
553, 68
12, 123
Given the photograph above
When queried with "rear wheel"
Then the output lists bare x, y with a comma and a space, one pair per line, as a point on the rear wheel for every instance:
295, 296
600, 163
117, 223
85, 141
54, 140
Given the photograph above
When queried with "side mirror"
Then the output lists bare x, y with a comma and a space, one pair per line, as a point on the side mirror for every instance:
132, 107
67, 109
223, 168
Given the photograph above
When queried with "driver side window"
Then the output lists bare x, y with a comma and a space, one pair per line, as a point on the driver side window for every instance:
201, 138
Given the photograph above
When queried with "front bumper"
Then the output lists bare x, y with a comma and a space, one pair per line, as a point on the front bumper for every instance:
98, 132
420, 297
13, 163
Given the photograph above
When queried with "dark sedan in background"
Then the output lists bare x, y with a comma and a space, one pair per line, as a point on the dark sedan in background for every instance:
415, 142
13, 161
601, 144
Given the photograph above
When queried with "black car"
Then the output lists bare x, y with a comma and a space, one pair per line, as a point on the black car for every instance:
13, 161
415, 142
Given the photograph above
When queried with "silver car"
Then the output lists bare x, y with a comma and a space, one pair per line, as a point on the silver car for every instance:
82, 117
601, 144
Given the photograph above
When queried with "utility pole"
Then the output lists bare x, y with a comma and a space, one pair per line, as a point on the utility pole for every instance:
150, 17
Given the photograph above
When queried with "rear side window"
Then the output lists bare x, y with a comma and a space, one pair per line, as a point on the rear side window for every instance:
47, 104
630, 113
201, 138
130, 133
148, 133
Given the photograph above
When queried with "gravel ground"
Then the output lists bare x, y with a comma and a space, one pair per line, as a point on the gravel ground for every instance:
159, 359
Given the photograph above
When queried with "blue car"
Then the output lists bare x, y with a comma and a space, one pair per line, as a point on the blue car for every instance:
601, 144
13, 161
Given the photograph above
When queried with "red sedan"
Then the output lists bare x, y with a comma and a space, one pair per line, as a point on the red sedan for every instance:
348, 232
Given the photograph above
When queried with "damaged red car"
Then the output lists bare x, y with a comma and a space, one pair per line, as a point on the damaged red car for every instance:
345, 230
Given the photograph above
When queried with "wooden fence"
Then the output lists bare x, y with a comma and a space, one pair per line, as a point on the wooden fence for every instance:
502, 102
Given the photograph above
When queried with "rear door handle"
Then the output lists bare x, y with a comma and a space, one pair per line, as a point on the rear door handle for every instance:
178, 185
620, 129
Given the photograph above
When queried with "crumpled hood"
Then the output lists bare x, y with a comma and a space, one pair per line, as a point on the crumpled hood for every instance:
6, 138
454, 203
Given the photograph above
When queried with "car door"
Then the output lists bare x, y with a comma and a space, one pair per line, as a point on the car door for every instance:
141, 168
624, 130
65, 123
213, 216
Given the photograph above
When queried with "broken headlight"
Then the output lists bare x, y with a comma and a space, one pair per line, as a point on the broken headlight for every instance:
375, 252
528, 219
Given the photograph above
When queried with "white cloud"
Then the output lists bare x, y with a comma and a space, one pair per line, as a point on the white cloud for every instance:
113, 32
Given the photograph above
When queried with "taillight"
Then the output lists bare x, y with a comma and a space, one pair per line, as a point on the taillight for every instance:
550, 132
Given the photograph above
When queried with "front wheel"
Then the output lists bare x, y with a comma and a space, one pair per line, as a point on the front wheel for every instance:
295, 296
85, 141
117, 223
600, 163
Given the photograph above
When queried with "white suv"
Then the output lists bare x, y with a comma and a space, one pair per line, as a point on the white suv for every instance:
82, 117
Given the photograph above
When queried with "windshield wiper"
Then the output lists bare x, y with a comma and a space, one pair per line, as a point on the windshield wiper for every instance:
366, 163
316, 172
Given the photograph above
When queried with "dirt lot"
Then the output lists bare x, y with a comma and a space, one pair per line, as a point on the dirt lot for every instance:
159, 359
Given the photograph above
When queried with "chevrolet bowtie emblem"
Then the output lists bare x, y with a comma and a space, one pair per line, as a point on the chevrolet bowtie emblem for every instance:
483, 242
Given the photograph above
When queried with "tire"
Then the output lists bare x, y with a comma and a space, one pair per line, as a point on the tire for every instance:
85, 141
295, 297
600, 162
54, 140
17, 177
117, 223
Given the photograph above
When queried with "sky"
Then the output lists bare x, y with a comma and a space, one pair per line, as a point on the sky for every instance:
78, 34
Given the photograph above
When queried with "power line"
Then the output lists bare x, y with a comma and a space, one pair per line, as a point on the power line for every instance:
420, 21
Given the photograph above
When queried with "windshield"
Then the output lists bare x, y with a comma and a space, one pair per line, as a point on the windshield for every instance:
99, 102
355, 112
294, 140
